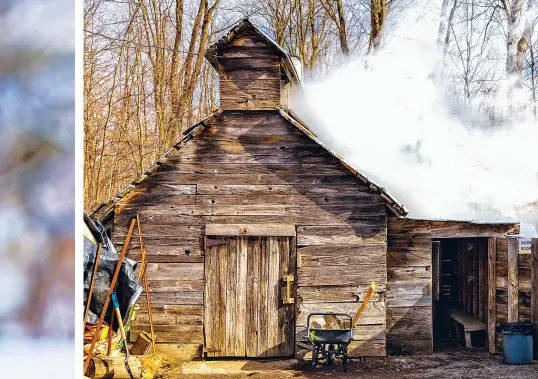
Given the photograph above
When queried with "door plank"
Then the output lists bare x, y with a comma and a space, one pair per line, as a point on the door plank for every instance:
209, 303
221, 298
241, 297
251, 327
231, 299
273, 297
263, 275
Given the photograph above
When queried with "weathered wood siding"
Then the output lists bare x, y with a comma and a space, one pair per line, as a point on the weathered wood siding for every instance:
256, 168
409, 296
515, 307
249, 69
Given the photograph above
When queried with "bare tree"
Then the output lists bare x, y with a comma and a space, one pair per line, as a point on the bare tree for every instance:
378, 15
336, 13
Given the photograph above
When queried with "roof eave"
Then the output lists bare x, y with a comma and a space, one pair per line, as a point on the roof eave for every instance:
103, 210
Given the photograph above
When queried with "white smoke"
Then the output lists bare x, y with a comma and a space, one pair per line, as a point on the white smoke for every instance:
389, 120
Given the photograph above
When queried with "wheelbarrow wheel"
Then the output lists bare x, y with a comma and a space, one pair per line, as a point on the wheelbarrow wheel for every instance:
344, 358
330, 355
314, 361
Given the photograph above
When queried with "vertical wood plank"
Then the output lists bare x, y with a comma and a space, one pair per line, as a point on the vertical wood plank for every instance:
492, 302
231, 299
273, 297
468, 277
211, 257
263, 275
513, 284
253, 262
460, 274
241, 298
293, 271
464, 276
215, 299
534, 291
220, 297
285, 311
436, 270
476, 279
482, 284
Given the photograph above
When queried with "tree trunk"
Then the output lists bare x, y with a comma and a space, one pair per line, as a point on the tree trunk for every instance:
175, 97
342, 28
378, 15
443, 36
516, 44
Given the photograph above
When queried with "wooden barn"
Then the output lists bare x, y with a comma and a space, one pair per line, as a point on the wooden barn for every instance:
251, 223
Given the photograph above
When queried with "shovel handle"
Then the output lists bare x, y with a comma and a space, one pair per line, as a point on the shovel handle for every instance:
118, 316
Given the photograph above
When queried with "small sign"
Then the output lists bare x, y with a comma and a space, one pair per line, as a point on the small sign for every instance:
525, 245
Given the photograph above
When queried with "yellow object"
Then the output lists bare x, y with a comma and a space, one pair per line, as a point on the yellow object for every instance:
104, 332
369, 294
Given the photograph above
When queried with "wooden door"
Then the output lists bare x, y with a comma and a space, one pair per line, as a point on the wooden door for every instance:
245, 309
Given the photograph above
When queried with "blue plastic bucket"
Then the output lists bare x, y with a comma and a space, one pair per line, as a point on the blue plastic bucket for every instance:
517, 343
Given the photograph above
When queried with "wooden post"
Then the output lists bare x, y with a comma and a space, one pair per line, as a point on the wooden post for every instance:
464, 275
469, 278
436, 269
534, 291
482, 294
492, 303
476, 280
107, 299
513, 283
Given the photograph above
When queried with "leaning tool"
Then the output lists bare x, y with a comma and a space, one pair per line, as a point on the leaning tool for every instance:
107, 300
116, 306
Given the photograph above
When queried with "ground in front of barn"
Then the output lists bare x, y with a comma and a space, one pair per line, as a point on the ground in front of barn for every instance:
453, 362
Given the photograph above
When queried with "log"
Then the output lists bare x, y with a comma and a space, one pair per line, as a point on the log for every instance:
114, 367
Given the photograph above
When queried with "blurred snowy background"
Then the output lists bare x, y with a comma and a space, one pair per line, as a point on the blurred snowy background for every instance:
37, 185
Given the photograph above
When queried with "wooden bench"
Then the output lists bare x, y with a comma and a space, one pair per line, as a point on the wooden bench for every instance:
470, 324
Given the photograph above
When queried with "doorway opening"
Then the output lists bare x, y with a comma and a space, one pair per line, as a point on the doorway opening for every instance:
460, 291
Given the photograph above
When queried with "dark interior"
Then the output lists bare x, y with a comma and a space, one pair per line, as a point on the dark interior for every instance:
462, 286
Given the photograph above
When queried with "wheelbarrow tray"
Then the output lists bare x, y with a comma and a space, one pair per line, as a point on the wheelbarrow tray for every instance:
330, 336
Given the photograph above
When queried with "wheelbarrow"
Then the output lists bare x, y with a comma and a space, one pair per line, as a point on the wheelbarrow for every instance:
330, 343
333, 341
